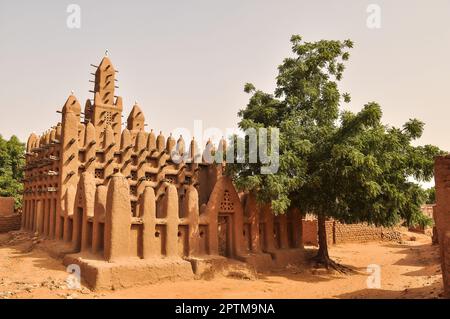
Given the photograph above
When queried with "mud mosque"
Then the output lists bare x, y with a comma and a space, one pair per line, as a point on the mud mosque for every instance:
112, 201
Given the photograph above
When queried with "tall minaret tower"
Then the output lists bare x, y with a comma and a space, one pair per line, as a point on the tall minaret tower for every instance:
107, 108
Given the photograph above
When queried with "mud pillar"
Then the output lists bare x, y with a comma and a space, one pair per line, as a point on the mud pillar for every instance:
268, 233
24, 214
46, 216
69, 213
99, 215
31, 215
28, 216
28, 221
89, 188
32, 212
150, 245
193, 215
58, 222
296, 228
51, 233
76, 228
68, 163
253, 218
284, 240
117, 219
238, 231
31, 225
171, 213
39, 217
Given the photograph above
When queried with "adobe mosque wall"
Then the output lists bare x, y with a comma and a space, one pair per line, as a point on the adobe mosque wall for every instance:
112, 201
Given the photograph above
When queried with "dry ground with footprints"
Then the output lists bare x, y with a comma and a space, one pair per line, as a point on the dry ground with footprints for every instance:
409, 269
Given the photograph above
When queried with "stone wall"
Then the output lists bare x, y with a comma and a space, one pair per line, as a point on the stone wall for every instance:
329, 226
6, 206
338, 233
356, 233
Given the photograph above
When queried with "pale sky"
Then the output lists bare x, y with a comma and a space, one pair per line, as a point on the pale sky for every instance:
188, 60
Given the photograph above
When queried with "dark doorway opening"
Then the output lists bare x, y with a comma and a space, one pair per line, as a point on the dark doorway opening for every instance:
224, 234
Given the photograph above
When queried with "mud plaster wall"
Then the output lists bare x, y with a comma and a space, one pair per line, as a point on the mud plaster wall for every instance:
446, 262
8, 220
442, 215
6, 206
9, 223
310, 232
118, 193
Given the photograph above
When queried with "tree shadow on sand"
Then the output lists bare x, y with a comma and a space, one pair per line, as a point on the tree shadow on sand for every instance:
25, 248
308, 271
426, 257
432, 291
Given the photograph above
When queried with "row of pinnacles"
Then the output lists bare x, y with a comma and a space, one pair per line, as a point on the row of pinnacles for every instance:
115, 203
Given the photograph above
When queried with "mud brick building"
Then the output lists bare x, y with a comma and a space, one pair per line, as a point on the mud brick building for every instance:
442, 215
112, 200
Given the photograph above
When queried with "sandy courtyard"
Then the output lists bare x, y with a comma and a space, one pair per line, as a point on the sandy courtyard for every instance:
409, 269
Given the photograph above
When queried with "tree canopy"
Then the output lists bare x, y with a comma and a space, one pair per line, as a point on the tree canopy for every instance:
333, 162
430, 194
11, 168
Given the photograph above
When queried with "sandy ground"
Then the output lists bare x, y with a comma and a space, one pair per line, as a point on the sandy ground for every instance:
409, 269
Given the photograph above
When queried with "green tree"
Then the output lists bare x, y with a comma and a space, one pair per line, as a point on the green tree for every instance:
430, 194
333, 163
11, 168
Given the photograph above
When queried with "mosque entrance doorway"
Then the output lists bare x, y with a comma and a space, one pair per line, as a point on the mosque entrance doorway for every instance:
224, 234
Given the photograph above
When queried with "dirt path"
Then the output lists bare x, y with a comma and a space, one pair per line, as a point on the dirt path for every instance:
408, 270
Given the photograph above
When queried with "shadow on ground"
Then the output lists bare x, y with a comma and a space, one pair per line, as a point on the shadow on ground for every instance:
432, 291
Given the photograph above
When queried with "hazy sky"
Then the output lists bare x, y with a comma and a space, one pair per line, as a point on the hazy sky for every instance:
188, 60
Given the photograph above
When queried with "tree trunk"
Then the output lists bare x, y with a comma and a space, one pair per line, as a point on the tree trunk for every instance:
322, 257
322, 254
